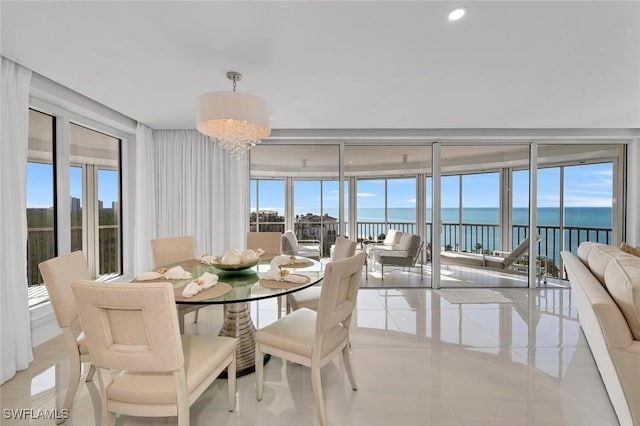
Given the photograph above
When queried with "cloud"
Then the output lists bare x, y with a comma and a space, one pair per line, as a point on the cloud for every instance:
366, 194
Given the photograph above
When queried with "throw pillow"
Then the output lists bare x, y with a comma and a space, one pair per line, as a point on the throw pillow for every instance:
630, 249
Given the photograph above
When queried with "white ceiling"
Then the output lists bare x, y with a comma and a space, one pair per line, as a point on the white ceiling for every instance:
342, 65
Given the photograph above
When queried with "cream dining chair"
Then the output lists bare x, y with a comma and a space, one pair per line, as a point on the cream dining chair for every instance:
309, 297
270, 242
145, 367
58, 274
172, 250
314, 338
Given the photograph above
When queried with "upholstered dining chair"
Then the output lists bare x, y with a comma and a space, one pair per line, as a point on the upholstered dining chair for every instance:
172, 250
270, 242
314, 338
145, 367
309, 297
58, 274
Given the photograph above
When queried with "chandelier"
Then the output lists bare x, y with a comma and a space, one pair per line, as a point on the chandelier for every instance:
237, 121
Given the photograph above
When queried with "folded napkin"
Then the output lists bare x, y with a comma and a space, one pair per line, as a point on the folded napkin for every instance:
177, 273
277, 274
208, 259
206, 280
151, 275
282, 260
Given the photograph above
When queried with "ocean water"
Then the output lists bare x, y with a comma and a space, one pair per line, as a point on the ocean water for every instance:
481, 231
593, 217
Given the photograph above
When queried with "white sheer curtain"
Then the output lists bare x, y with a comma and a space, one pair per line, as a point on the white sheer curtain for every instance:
15, 328
192, 188
145, 199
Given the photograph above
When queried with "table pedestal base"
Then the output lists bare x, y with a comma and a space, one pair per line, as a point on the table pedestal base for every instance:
238, 324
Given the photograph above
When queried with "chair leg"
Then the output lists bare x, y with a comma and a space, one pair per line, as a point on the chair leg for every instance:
195, 320
280, 306
90, 373
346, 357
382, 271
181, 322
259, 373
108, 418
75, 367
316, 384
231, 383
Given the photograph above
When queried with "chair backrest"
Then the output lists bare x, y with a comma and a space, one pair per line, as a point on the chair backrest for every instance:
418, 253
289, 242
415, 246
172, 250
58, 274
344, 248
405, 242
393, 237
521, 249
130, 327
270, 242
339, 292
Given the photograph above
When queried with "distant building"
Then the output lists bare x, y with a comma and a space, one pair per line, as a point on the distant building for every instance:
310, 217
75, 205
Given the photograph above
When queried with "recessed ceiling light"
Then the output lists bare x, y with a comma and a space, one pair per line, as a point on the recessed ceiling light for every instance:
457, 14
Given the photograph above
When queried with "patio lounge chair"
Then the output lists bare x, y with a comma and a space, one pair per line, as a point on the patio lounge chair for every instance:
478, 260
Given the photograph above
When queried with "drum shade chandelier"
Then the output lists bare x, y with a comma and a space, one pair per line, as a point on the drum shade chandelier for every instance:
237, 121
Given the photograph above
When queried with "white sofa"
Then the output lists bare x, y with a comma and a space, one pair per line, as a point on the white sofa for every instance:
605, 282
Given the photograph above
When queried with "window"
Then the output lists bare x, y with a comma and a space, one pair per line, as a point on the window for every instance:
94, 179
267, 205
94, 225
41, 231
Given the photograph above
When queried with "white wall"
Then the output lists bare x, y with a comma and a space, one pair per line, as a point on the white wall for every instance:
633, 193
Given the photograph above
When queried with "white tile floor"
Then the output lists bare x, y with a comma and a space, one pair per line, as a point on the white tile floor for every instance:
418, 359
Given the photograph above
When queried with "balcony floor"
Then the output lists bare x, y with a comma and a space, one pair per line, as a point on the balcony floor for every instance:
453, 276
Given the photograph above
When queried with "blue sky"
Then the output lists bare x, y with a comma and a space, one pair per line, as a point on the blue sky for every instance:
585, 185
40, 185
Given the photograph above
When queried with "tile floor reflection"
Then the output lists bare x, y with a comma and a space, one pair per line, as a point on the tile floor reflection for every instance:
418, 359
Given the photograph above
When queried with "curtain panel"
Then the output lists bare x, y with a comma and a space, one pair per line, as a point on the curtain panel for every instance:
186, 185
15, 327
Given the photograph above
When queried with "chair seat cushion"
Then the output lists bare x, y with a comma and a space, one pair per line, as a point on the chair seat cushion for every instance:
307, 298
296, 331
202, 356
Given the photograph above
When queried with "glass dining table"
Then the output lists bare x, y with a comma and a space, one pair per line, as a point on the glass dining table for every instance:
236, 289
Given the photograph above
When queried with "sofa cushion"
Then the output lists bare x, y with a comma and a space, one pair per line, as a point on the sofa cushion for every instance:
584, 249
622, 279
599, 258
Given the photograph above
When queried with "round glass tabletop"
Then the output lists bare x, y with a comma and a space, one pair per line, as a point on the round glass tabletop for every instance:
246, 284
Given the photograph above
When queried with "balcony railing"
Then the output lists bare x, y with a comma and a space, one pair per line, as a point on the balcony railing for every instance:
41, 246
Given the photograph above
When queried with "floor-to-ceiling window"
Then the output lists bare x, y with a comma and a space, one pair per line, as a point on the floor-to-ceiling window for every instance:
94, 185
484, 198
93, 195
296, 187
477, 211
41, 241
579, 198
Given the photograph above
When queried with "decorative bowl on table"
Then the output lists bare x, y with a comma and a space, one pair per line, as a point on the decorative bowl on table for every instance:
235, 267
236, 260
